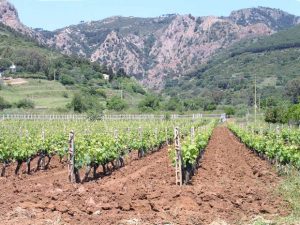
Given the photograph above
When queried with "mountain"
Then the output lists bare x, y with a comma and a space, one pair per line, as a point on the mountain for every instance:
228, 78
51, 79
155, 49
9, 17
152, 49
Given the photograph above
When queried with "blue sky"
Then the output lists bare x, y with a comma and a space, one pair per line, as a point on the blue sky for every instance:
53, 14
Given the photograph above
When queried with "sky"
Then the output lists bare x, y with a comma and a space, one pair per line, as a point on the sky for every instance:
54, 14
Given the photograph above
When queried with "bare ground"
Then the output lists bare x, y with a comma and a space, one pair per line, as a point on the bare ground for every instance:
232, 185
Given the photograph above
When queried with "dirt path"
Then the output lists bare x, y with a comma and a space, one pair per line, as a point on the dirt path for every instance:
232, 185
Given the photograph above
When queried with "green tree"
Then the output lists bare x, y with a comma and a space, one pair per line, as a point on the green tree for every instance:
149, 103
116, 103
78, 104
294, 113
277, 114
174, 104
230, 111
209, 107
67, 80
292, 89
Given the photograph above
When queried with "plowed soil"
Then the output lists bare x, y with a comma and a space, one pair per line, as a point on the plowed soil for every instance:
232, 185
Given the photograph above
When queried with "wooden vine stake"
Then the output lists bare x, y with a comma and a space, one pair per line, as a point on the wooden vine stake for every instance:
116, 135
43, 159
140, 151
192, 135
178, 157
71, 158
166, 133
156, 133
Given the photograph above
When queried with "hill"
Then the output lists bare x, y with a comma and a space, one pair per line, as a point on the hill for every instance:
171, 45
57, 75
229, 77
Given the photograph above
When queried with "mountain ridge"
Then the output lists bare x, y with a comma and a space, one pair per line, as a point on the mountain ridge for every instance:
153, 49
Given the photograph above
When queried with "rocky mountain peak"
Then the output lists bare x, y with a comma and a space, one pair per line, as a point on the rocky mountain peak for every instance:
9, 15
273, 18
153, 49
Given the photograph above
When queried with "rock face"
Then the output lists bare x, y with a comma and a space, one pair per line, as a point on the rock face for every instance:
9, 17
171, 45
152, 49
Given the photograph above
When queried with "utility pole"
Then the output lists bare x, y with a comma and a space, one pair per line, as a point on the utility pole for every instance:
259, 100
255, 101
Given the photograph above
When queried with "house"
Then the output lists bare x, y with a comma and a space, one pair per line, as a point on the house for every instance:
13, 68
106, 76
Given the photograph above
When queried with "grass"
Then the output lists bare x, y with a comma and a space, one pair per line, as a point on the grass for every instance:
289, 189
45, 94
52, 95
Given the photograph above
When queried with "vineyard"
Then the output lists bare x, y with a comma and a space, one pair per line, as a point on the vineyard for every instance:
129, 172
276, 144
96, 144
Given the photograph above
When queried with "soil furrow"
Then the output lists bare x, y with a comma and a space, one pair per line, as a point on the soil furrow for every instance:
231, 185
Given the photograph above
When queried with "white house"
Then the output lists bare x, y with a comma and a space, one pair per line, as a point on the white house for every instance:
13, 68
106, 76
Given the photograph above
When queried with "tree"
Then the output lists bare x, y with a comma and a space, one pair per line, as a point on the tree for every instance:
292, 90
5, 64
78, 104
173, 104
209, 107
294, 113
150, 103
67, 80
116, 103
230, 111
277, 114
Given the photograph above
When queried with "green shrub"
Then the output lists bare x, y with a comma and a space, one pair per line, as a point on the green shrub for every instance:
230, 111
65, 95
209, 107
277, 114
138, 89
294, 113
78, 104
292, 90
82, 102
173, 104
25, 104
116, 103
4, 104
67, 80
150, 103
101, 93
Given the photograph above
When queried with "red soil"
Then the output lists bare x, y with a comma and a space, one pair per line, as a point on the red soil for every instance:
232, 185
